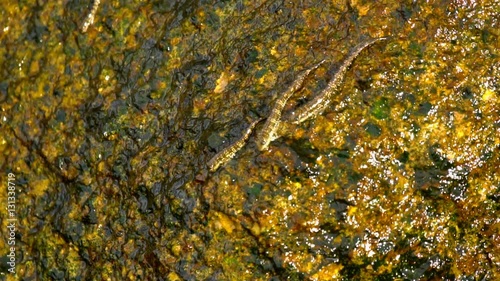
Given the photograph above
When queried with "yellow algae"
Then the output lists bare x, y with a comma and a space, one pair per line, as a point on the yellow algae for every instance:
222, 81
176, 249
352, 211
328, 272
225, 222
274, 51
256, 229
38, 187
172, 276
34, 68
362, 7
488, 95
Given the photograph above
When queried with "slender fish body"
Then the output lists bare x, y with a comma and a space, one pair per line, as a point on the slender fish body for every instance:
274, 126
228, 153
318, 104
268, 133
90, 17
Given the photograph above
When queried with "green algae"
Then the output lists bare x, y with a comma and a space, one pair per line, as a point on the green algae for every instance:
381, 108
109, 132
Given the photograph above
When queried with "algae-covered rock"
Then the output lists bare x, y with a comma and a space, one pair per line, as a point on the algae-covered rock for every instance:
105, 136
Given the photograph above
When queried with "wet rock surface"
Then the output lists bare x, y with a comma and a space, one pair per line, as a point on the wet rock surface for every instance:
108, 133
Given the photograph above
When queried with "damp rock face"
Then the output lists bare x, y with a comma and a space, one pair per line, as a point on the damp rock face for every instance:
105, 137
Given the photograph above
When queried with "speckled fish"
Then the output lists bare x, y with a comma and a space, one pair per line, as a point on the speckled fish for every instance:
268, 133
90, 17
318, 104
228, 153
